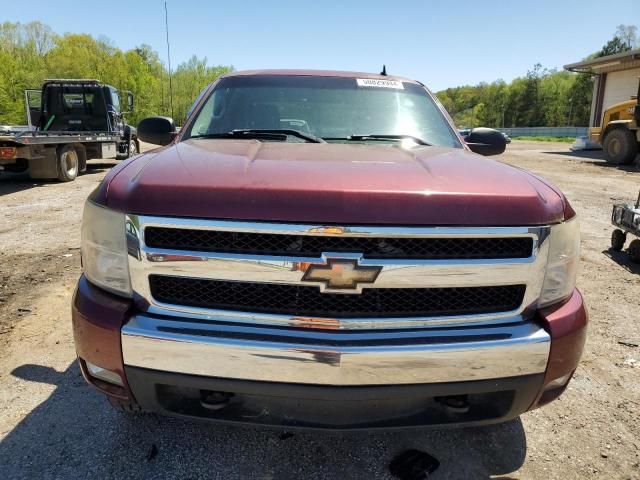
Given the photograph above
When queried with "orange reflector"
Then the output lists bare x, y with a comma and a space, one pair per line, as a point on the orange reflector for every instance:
8, 152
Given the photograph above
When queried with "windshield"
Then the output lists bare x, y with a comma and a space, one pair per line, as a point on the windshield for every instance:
332, 108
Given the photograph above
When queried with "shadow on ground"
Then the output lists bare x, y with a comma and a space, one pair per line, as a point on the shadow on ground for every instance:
582, 154
595, 157
75, 434
622, 259
17, 182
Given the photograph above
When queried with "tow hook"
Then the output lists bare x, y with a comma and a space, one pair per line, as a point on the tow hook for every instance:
455, 403
214, 400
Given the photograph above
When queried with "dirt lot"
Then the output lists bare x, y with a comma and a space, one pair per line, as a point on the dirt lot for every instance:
53, 426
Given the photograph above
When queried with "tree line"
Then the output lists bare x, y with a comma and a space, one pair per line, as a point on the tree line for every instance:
32, 52
541, 98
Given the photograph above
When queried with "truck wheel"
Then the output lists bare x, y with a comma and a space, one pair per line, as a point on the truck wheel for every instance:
634, 251
68, 164
125, 406
620, 146
618, 237
133, 148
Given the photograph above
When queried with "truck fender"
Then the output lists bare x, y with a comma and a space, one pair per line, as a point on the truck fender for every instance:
130, 132
617, 124
614, 124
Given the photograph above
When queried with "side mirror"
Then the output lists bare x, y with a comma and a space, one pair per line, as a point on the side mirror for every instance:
157, 130
486, 141
130, 101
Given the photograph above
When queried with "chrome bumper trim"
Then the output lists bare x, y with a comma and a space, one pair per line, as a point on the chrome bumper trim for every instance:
335, 358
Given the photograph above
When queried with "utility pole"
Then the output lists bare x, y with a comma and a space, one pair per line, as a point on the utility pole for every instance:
162, 110
166, 24
570, 109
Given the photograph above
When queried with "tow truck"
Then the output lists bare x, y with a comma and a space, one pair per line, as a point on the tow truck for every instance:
70, 121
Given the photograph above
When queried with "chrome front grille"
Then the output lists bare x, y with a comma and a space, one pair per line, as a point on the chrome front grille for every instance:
252, 273
289, 245
310, 301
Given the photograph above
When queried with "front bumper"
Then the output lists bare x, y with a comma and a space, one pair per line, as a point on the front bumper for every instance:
396, 379
335, 358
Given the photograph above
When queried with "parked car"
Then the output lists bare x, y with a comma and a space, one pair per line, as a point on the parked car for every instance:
320, 250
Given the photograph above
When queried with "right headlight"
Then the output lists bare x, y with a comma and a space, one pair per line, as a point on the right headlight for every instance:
562, 262
104, 249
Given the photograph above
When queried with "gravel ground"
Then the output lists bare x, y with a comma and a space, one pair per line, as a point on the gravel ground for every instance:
54, 426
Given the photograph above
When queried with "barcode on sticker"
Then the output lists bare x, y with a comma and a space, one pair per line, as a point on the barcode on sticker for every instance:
372, 82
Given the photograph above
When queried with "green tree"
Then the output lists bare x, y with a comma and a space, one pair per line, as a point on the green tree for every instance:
613, 46
32, 52
541, 98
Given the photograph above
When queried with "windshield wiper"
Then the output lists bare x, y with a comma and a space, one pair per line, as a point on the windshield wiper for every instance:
417, 140
266, 133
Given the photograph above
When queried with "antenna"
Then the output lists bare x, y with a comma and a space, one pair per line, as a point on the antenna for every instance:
166, 24
384, 70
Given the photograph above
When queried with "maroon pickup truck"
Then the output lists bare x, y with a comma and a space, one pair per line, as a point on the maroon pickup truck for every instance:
322, 250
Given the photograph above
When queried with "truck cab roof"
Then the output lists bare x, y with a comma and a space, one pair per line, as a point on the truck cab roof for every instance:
319, 73
71, 80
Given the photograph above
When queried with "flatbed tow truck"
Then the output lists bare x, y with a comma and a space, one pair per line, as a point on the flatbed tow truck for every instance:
70, 121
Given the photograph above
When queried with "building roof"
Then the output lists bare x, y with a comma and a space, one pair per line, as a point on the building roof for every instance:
616, 61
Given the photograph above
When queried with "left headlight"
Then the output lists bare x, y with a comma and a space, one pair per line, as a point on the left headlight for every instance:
104, 250
562, 262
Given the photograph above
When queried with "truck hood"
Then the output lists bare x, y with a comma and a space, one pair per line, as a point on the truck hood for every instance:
330, 183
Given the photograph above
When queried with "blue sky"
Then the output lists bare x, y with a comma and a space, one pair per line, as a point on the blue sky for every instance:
441, 43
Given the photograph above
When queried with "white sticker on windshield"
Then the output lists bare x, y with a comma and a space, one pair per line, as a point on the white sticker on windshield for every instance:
372, 82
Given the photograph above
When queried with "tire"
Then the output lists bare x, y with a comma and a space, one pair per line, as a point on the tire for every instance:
618, 237
620, 146
68, 163
634, 251
133, 148
124, 406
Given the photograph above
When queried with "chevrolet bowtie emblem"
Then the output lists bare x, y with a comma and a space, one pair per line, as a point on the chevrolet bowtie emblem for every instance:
338, 274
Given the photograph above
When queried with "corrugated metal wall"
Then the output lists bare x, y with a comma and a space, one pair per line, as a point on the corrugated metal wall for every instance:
620, 86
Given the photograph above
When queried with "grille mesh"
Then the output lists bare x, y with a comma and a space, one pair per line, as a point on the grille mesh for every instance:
309, 301
314, 246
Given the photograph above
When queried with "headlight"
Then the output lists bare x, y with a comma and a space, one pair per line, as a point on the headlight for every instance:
562, 262
617, 215
104, 251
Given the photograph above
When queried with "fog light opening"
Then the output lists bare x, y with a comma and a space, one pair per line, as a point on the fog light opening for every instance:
103, 374
553, 390
214, 400
455, 403
560, 382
